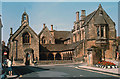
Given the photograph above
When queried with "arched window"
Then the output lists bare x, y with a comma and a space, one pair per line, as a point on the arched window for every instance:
26, 38
43, 40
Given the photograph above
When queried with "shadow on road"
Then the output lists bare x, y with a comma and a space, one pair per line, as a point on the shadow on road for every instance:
22, 70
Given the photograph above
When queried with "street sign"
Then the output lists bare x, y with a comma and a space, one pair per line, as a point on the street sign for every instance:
5, 53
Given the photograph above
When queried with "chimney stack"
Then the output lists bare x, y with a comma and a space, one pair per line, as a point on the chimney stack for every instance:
44, 25
82, 14
11, 32
3, 43
51, 27
77, 16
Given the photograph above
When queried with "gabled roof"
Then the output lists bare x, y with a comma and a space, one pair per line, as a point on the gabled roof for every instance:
19, 30
58, 47
99, 19
62, 35
88, 18
43, 31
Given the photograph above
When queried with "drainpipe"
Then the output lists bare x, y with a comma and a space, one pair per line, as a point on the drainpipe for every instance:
16, 48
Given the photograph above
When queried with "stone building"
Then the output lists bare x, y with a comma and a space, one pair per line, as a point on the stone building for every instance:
94, 32
118, 48
55, 45
25, 45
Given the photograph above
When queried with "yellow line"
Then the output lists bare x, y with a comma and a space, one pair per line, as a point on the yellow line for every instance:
98, 72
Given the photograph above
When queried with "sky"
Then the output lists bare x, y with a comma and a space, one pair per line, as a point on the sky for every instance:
61, 14
59, 0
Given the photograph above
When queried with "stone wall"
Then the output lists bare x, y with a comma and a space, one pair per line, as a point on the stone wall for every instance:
21, 47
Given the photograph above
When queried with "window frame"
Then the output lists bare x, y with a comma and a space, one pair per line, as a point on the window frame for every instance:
26, 38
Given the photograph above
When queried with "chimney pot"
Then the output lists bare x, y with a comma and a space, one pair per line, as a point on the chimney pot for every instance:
51, 27
83, 14
44, 25
10, 31
77, 16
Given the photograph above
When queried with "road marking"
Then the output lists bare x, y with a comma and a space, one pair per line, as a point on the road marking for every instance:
98, 72
81, 75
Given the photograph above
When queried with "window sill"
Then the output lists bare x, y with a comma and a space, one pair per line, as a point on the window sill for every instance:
101, 38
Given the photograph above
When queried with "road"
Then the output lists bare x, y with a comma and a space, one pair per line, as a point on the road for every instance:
56, 71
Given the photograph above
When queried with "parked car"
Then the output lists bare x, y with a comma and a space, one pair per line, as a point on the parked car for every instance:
3, 72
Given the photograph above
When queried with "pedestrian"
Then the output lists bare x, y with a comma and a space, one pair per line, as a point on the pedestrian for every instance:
36, 61
9, 64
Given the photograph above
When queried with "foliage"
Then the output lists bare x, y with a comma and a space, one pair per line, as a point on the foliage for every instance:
106, 63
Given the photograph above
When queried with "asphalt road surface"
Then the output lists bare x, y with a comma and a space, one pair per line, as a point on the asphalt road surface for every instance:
55, 71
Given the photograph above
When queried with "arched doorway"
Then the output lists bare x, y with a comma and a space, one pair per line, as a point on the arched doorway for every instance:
29, 56
43, 56
50, 57
58, 56
27, 59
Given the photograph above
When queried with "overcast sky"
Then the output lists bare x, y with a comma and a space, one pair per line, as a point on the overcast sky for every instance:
61, 14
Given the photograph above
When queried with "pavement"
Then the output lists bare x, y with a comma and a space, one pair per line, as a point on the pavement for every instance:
114, 71
83, 66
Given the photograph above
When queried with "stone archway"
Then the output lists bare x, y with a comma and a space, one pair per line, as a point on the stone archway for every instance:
29, 56
50, 56
58, 56
27, 61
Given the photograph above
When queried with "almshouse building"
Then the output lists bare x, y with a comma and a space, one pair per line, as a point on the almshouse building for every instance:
95, 31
